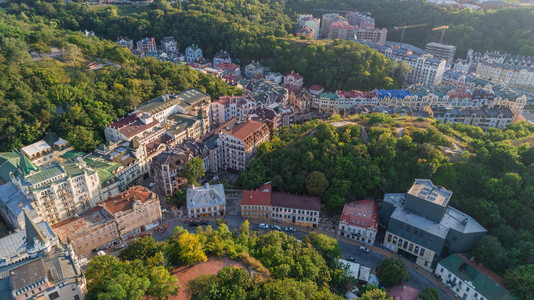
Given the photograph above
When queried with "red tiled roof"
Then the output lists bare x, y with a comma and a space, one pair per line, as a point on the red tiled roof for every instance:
316, 87
297, 76
124, 201
245, 129
261, 196
402, 291
131, 125
74, 227
228, 66
295, 201
363, 213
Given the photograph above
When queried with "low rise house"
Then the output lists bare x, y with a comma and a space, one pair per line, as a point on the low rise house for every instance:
221, 57
125, 42
39, 153
254, 69
169, 45
256, 204
207, 200
229, 68
359, 221
316, 89
294, 79
469, 280
89, 231
193, 54
275, 77
239, 144
403, 291
134, 210
421, 225
145, 45
301, 210
497, 117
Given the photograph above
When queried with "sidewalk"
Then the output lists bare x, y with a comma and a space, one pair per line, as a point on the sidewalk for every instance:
379, 251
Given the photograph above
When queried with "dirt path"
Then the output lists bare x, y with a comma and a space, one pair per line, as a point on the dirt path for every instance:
212, 266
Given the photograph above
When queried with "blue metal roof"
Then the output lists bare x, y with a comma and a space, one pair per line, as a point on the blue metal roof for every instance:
392, 93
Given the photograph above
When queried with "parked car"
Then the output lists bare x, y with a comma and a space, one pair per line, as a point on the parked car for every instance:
215, 178
121, 246
351, 258
153, 184
264, 226
290, 229
193, 224
204, 222
364, 249
276, 227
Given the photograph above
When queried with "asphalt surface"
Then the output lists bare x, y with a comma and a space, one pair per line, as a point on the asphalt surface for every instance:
370, 259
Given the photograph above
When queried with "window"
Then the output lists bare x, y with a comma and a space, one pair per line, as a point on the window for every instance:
400, 242
422, 252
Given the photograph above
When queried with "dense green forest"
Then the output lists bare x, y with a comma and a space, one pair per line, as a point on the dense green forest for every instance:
507, 30
251, 30
490, 173
284, 267
62, 95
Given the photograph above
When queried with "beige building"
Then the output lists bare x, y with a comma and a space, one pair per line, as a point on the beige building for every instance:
89, 231
207, 200
240, 144
134, 210
39, 153
300, 210
256, 204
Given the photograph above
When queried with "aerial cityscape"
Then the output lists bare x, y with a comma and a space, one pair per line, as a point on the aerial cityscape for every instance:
266, 149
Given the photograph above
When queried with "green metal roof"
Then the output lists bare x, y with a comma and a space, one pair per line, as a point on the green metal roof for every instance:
104, 169
73, 154
72, 169
26, 165
46, 172
482, 283
9, 163
332, 96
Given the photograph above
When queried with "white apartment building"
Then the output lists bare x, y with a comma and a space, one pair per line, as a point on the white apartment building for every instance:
239, 144
425, 69
229, 107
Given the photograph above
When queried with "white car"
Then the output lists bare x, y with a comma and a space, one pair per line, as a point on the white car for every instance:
290, 229
364, 249
276, 227
264, 226
152, 184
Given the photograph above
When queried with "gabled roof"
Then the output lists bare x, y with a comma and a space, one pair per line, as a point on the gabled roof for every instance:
295, 201
260, 196
32, 232
245, 129
363, 213
26, 165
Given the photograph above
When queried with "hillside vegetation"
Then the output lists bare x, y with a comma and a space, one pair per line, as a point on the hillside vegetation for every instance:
62, 95
491, 178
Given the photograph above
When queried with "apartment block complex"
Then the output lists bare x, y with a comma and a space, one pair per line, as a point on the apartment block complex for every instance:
441, 51
239, 144
422, 226
167, 168
425, 69
229, 107
310, 22
496, 117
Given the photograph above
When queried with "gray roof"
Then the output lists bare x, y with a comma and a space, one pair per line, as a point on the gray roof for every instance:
14, 245
207, 195
14, 200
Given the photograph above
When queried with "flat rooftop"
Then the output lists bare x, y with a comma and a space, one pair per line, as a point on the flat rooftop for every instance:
35, 148
425, 189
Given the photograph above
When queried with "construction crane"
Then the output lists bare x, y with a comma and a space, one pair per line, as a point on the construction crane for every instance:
406, 27
444, 27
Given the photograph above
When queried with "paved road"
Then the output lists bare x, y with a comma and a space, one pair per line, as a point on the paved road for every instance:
371, 259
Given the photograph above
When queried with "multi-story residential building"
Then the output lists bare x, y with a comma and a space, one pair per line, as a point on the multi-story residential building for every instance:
461, 82
310, 22
222, 56
299, 99
207, 200
229, 68
326, 20
167, 168
39, 153
134, 125
36, 266
316, 89
441, 51
229, 107
125, 42
362, 20
193, 54
342, 30
373, 35
469, 280
254, 69
146, 45
134, 210
239, 144
294, 79
305, 31
89, 231
359, 221
425, 70
496, 117
514, 76
301, 210
422, 226
169, 45
14, 205
256, 204
266, 93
